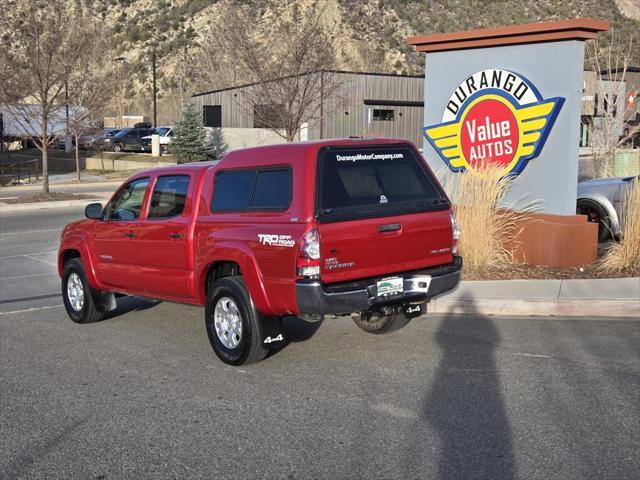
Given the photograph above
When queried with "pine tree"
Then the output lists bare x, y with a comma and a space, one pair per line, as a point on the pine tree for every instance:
189, 143
218, 144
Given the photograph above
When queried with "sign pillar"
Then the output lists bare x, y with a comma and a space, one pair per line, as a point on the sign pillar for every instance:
512, 96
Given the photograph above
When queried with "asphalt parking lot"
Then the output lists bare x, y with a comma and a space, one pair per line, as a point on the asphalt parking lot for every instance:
141, 394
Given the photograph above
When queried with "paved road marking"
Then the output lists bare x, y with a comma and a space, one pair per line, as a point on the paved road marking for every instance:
27, 254
27, 299
30, 276
34, 309
30, 256
534, 355
27, 232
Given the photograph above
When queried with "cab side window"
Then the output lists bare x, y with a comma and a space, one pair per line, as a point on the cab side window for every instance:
252, 190
127, 203
169, 196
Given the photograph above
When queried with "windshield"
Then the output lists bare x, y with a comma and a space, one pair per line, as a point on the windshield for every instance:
372, 181
162, 131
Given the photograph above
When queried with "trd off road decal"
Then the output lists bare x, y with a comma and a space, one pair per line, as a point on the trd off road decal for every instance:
276, 240
493, 116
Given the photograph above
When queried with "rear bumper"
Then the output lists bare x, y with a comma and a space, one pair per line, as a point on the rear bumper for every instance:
315, 298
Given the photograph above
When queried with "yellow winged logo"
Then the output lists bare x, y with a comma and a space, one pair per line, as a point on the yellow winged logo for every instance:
492, 127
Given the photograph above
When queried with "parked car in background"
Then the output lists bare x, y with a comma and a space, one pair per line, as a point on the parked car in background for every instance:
100, 137
165, 135
601, 200
127, 139
85, 142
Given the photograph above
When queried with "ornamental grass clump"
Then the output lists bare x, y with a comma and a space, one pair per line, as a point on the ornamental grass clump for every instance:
624, 256
489, 230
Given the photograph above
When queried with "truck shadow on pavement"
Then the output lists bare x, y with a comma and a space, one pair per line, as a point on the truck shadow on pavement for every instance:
465, 404
130, 304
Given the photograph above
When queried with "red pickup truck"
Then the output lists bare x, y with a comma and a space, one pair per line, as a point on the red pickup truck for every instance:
355, 227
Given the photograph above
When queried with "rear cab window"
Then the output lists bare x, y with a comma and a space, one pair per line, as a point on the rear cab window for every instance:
169, 196
374, 181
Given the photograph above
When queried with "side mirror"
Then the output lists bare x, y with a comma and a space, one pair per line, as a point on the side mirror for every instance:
93, 211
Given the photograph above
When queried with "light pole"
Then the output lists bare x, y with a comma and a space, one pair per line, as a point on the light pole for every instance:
155, 90
120, 80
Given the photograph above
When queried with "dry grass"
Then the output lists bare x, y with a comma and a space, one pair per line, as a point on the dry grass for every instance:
624, 256
487, 227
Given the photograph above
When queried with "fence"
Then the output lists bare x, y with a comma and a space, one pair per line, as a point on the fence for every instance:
16, 171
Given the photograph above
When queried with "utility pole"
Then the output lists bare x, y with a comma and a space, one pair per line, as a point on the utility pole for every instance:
321, 104
155, 90
120, 103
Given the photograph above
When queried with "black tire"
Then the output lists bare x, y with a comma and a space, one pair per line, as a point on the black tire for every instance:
117, 147
88, 312
249, 348
596, 214
379, 324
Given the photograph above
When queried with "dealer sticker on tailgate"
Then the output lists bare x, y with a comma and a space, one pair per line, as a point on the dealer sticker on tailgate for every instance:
389, 286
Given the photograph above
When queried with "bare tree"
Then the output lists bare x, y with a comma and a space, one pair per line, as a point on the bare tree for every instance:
42, 41
286, 57
90, 86
612, 127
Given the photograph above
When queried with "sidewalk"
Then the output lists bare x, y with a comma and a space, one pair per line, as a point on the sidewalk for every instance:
30, 207
609, 297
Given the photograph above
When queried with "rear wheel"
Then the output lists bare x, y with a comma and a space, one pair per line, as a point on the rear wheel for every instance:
117, 147
232, 323
596, 214
379, 324
77, 295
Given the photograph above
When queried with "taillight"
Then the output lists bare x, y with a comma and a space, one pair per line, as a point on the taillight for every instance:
455, 229
308, 261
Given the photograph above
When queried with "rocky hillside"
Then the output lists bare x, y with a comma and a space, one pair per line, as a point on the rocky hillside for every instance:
371, 33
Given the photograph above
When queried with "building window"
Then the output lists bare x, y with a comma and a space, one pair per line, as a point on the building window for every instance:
584, 134
611, 107
609, 104
212, 116
268, 116
382, 115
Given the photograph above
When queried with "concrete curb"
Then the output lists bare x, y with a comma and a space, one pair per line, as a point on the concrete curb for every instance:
604, 297
27, 207
624, 309
36, 187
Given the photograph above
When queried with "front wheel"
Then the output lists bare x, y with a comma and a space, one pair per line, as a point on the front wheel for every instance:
232, 323
117, 148
77, 295
596, 214
379, 324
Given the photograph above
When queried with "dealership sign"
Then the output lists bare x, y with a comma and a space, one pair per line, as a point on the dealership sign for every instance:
494, 116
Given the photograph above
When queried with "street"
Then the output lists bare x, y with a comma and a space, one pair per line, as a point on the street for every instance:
141, 394
28, 252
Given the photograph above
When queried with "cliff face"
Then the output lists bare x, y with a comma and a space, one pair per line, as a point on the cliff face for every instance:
370, 33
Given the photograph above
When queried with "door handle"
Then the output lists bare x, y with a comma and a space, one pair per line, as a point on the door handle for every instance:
130, 235
391, 227
175, 235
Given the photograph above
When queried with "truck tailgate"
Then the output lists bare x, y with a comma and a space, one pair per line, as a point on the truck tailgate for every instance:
379, 246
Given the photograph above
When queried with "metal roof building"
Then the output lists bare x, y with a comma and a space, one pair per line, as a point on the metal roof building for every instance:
361, 104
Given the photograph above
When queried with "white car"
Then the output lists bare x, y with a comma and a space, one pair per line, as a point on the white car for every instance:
601, 201
165, 136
